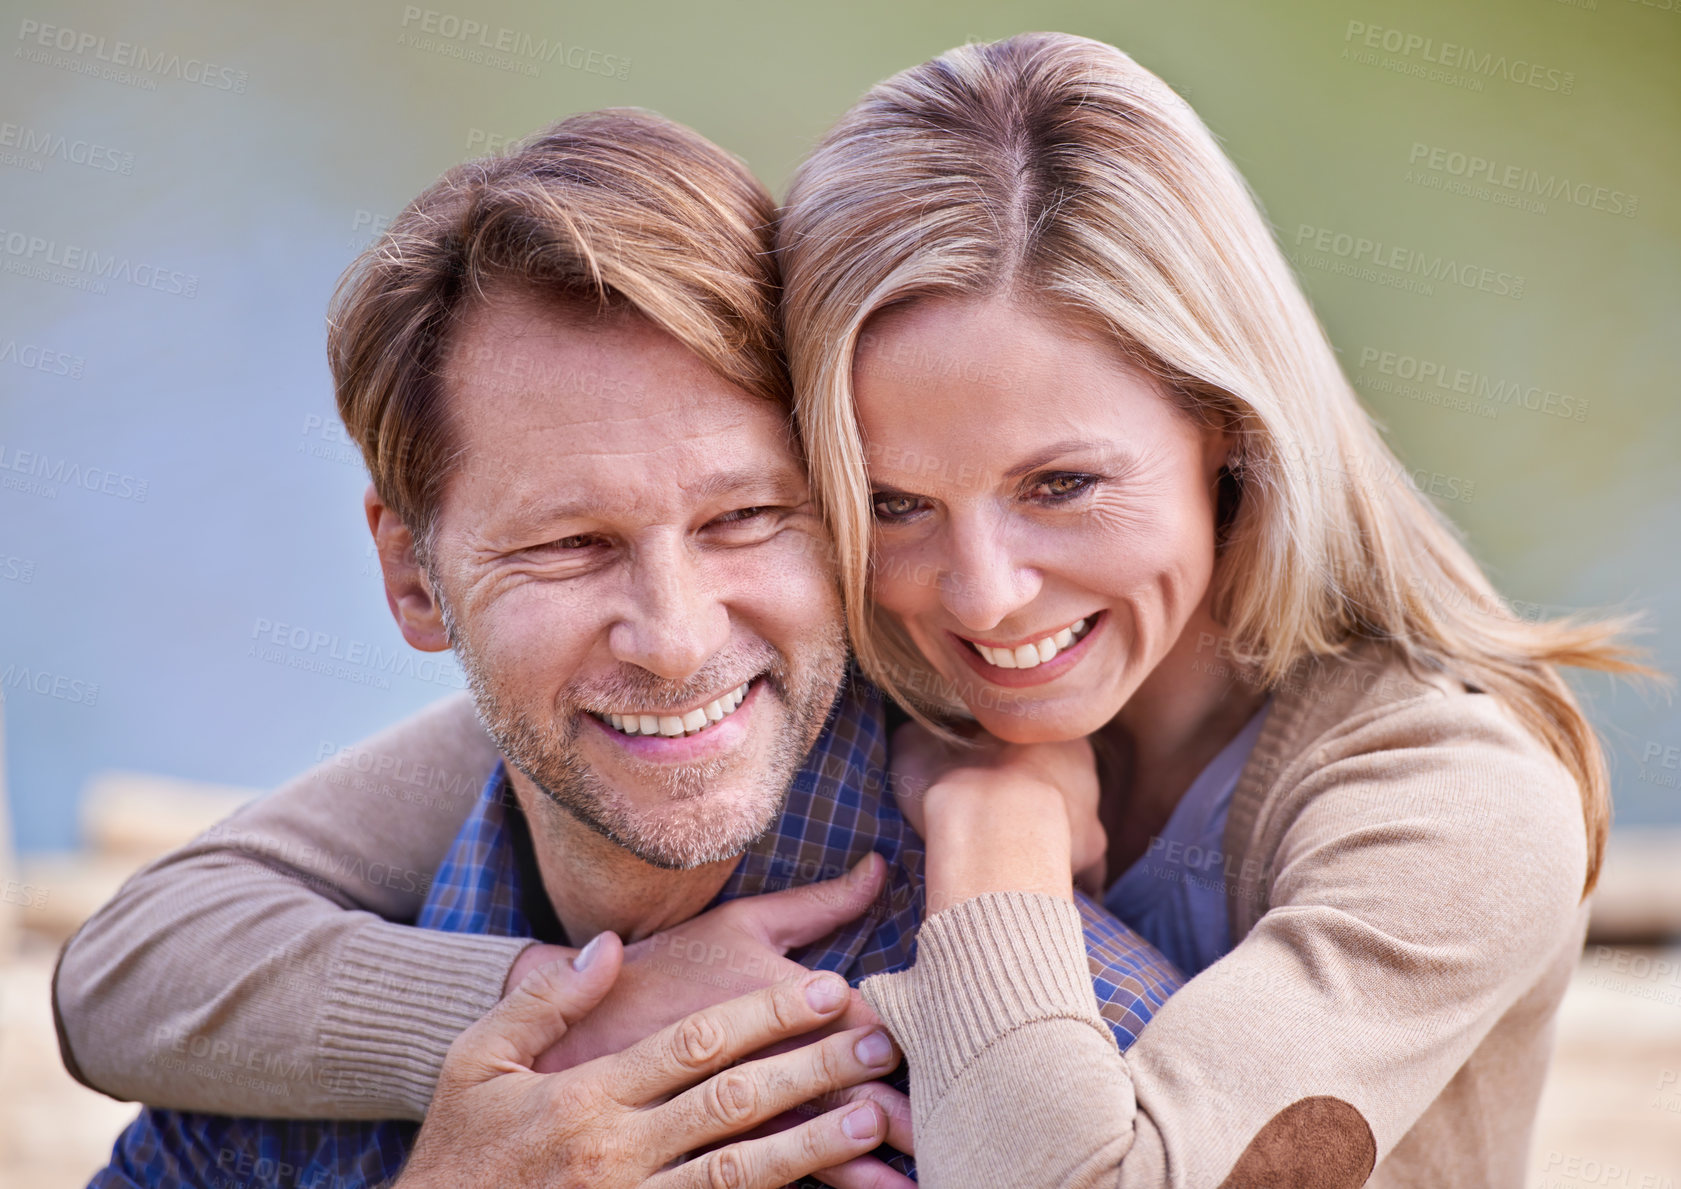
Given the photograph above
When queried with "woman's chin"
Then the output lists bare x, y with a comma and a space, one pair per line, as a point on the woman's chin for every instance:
1034, 722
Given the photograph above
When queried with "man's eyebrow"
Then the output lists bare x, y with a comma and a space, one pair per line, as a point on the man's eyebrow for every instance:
781, 481
538, 511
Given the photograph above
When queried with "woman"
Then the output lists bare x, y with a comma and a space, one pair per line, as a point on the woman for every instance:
1093, 471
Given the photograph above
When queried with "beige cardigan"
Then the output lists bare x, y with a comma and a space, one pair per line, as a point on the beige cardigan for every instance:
1403, 868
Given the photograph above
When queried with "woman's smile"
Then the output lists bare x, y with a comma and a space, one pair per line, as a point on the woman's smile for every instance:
1035, 661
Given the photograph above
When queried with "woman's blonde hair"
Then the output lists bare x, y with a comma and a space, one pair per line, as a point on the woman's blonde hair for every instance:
1055, 171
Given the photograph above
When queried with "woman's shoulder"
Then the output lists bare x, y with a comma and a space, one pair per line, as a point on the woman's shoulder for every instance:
1368, 739
1375, 703
1391, 796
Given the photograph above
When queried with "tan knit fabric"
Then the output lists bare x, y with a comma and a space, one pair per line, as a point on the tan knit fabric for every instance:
227, 976
1404, 867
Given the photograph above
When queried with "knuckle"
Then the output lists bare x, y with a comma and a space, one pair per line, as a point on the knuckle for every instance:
732, 1097
697, 1042
828, 1065
782, 1005
726, 1168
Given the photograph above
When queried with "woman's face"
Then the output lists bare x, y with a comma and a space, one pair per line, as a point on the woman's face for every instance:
1044, 516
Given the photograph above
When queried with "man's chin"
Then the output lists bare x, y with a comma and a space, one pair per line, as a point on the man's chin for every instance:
691, 826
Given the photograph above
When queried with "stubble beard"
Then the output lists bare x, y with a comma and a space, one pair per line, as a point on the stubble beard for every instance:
680, 821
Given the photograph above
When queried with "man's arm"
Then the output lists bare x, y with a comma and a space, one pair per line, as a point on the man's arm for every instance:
241, 943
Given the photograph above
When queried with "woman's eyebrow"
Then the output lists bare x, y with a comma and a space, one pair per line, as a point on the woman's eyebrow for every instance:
1059, 450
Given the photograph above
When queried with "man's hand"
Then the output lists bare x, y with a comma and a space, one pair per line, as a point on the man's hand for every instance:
733, 949
988, 813
623, 1120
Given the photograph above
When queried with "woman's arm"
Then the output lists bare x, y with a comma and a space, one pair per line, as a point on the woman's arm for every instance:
229, 977
1424, 880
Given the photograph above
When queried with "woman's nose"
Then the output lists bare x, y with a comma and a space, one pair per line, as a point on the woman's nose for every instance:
986, 582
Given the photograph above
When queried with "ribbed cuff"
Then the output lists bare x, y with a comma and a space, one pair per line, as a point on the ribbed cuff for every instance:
985, 968
396, 1003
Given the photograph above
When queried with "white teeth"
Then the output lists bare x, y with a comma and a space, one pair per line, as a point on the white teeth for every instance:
1031, 656
671, 726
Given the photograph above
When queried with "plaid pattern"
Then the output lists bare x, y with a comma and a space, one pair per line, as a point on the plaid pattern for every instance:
839, 809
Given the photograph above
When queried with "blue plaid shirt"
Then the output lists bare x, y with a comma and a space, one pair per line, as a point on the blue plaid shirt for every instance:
839, 809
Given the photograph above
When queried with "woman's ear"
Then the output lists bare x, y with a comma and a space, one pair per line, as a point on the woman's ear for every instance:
408, 588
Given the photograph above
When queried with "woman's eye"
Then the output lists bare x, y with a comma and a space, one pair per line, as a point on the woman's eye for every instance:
895, 507
741, 514
580, 541
1063, 487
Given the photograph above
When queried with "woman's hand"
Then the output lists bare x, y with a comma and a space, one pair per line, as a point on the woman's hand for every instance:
1000, 816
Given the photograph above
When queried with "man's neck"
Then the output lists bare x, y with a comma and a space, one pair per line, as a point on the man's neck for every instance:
595, 884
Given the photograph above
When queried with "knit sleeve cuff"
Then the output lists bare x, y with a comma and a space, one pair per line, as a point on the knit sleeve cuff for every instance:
985, 968
392, 1007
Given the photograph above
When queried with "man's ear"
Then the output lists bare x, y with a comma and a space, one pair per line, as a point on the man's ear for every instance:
408, 590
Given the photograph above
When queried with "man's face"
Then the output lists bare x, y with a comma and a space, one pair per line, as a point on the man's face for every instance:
628, 547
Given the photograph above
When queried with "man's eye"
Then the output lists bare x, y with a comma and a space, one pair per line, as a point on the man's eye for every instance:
581, 541
895, 507
1056, 488
742, 514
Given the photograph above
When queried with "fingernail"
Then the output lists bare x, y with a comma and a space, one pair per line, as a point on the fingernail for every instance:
874, 1049
588, 953
825, 992
860, 1124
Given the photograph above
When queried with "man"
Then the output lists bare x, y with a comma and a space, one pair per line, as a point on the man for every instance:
561, 367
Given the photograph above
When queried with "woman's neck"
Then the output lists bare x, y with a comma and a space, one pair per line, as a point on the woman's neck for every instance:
1194, 702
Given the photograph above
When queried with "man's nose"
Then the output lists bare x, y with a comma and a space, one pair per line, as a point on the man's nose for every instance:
985, 582
675, 622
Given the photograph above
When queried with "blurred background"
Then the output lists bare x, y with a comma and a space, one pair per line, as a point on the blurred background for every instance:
189, 605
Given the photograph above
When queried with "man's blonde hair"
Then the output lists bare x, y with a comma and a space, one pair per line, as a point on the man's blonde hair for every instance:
614, 209
1057, 172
